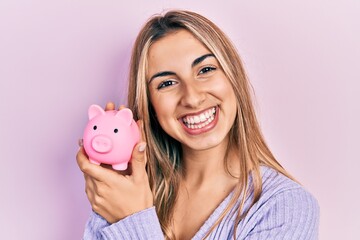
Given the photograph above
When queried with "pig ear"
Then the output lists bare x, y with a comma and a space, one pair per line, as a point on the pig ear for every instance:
126, 115
95, 110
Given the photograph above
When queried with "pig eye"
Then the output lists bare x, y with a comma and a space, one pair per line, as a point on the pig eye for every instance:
95, 127
116, 130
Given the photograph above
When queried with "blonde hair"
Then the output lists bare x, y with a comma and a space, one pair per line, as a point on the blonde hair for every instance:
164, 152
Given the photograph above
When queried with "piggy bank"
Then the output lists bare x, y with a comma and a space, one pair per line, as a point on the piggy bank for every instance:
110, 136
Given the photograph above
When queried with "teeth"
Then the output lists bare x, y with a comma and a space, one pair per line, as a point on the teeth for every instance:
196, 119
200, 121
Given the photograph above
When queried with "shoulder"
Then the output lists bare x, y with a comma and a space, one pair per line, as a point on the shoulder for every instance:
285, 208
275, 184
281, 191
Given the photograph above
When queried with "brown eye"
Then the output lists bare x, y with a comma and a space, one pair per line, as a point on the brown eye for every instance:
116, 130
165, 84
95, 127
207, 69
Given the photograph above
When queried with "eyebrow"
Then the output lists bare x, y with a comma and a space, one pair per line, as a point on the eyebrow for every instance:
200, 59
194, 63
161, 74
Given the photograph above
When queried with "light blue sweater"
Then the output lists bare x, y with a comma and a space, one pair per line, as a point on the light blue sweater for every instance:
285, 210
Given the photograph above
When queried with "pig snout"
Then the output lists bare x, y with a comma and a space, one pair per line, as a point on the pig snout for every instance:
101, 144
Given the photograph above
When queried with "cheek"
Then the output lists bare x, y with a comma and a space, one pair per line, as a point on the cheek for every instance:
163, 112
224, 89
163, 101
163, 107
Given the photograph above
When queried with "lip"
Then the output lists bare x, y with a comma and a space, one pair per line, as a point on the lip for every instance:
207, 128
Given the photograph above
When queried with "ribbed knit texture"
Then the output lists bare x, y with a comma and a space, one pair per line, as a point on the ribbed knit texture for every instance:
285, 210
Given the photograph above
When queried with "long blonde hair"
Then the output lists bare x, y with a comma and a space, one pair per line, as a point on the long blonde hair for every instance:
164, 152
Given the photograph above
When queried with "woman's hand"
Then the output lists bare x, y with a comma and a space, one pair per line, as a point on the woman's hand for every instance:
117, 194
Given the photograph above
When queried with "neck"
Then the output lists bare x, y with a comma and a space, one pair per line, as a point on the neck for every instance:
204, 168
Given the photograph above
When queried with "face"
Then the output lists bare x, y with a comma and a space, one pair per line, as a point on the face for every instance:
193, 99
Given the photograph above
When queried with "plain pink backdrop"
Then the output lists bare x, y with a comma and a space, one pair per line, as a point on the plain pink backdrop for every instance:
58, 57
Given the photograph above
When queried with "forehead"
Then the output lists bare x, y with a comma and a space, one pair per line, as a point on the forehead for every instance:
177, 47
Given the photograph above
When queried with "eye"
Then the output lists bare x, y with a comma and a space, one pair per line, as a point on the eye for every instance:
207, 69
166, 83
116, 130
95, 127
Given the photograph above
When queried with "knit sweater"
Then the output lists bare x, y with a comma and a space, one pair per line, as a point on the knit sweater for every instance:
285, 210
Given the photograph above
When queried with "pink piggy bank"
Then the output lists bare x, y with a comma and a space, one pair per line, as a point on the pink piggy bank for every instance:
110, 136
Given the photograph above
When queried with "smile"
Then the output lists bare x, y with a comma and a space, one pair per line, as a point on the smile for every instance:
201, 120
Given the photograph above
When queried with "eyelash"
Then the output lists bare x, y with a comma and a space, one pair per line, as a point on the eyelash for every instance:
207, 69
166, 83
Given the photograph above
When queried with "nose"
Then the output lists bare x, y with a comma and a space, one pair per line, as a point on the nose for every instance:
101, 144
192, 96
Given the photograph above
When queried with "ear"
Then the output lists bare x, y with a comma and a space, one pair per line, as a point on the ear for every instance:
126, 115
95, 110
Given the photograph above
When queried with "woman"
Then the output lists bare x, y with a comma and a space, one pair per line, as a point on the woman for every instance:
203, 169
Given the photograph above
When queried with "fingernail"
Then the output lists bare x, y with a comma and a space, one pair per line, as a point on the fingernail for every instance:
142, 147
80, 142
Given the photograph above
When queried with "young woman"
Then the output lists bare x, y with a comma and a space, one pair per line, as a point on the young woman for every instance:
202, 169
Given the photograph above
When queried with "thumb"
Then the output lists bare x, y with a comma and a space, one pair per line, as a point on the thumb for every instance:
140, 124
138, 160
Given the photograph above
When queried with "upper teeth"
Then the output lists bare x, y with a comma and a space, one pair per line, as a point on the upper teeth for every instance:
203, 117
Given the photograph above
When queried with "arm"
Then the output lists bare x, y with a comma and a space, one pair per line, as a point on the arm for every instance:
291, 214
119, 201
118, 197
142, 225
93, 227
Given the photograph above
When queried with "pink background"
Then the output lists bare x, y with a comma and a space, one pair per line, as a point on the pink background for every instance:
58, 57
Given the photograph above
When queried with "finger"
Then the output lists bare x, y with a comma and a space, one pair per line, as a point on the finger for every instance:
89, 184
81, 152
91, 181
121, 107
138, 160
95, 171
140, 124
90, 194
91, 191
109, 106
80, 142
93, 186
